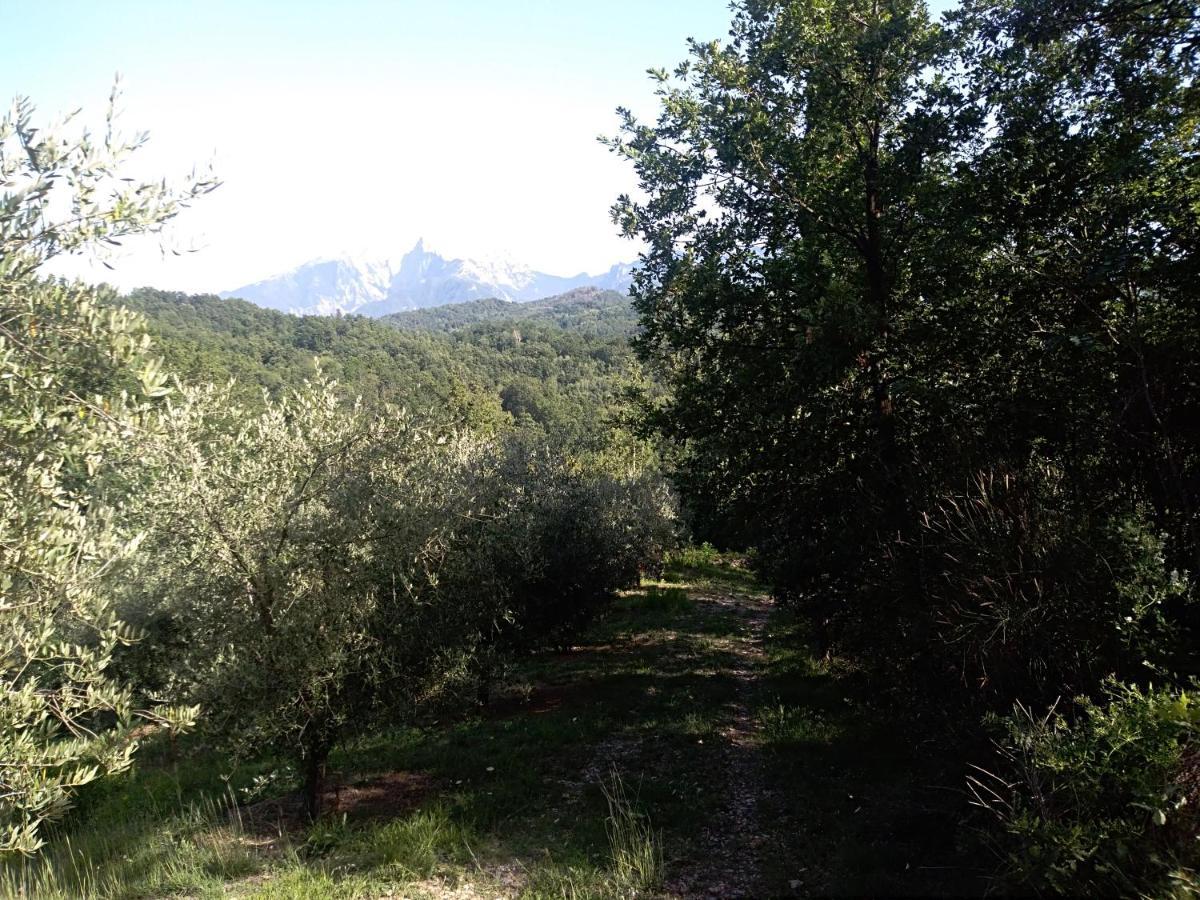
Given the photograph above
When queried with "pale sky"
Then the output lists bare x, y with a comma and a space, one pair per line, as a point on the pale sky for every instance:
361, 125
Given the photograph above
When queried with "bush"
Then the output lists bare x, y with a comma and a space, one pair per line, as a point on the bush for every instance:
554, 540
1030, 592
1104, 802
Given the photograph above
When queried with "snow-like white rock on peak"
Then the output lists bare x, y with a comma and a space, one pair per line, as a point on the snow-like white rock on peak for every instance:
421, 278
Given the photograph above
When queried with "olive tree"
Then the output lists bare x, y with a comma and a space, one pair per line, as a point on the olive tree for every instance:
76, 384
555, 536
296, 551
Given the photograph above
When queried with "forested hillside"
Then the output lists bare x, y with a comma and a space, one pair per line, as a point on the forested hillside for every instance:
586, 311
563, 364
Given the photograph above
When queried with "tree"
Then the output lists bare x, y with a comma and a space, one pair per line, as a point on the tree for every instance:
297, 552
921, 294
554, 534
789, 182
1061, 417
1091, 177
76, 383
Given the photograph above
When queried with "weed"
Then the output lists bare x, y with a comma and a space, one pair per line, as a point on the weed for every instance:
555, 882
148, 855
706, 565
666, 600
783, 724
325, 836
418, 844
299, 883
635, 848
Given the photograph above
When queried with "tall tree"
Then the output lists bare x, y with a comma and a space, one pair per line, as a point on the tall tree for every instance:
788, 180
1092, 174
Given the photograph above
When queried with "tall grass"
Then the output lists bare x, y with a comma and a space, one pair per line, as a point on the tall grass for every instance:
635, 859
664, 600
150, 853
416, 846
635, 848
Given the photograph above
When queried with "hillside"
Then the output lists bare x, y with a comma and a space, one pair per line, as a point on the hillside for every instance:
570, 359
847, 546
737, 768
589, 311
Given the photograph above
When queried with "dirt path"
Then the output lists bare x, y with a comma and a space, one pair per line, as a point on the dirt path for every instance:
733, 843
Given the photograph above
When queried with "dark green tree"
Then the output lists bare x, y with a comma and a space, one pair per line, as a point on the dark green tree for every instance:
791, 182
921, 294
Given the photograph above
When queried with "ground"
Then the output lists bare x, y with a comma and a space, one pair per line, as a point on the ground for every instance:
691, 746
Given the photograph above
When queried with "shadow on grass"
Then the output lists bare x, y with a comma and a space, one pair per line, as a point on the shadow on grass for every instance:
866, 806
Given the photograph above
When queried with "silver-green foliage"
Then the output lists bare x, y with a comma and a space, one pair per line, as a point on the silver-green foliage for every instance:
562, 532
295, 550
76, 385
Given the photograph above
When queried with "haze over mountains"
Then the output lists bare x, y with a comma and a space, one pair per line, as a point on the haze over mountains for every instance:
420, 279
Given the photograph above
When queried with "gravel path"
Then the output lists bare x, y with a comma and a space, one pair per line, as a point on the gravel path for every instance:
735, 842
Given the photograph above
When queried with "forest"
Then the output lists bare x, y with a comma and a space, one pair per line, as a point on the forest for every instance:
853, 554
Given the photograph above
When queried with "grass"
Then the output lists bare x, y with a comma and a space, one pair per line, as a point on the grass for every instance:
657, 599
707, 565
867, 798
637, 861
194, 850
591, 776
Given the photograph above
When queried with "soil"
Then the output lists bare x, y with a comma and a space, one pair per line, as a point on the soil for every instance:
735, 843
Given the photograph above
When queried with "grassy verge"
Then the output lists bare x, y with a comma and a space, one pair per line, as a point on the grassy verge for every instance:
867, 805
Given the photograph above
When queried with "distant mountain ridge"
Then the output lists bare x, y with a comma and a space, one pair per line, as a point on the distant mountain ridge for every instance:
585, 310
421, 279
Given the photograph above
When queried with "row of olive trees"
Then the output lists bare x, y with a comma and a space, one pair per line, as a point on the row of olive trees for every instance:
279, 578
558, 535
318, 568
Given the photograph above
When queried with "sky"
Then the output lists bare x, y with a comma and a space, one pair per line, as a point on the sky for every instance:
359, 126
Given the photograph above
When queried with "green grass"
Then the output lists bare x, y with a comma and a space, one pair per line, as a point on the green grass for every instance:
591, 775
871, 808
706, 566
192, 850
659, 599
637, 861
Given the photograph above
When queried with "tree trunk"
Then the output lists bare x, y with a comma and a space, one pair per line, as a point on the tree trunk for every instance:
878, 297
898, 520
315, 760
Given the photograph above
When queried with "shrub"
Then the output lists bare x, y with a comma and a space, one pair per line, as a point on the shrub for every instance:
1103, 802
1030, 592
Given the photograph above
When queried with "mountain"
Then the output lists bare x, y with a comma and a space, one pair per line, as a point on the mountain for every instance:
421, 279
322, 287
